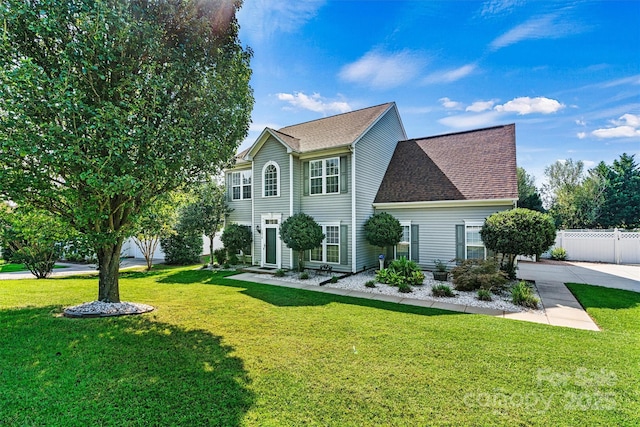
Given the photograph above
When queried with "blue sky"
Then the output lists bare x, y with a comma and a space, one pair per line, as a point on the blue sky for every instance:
567, 72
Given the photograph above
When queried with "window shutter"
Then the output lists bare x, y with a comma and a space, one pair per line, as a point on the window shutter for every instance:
229, 189
460, 250
415, 254
343, 174
305, 182
344, 248
390, 255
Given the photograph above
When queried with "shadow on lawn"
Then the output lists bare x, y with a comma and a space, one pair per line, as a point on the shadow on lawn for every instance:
128, 370
291, 297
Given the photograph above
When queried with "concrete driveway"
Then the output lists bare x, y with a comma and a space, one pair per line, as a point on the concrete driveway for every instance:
625, 277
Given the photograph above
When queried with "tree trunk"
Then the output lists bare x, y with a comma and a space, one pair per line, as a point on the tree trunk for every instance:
109, 265
211, 248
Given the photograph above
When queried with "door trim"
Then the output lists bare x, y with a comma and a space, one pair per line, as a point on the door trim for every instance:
270, 220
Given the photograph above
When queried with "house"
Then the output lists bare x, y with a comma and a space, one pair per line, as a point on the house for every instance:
344, 168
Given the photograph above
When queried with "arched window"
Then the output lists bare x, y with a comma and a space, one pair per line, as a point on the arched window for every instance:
271, 180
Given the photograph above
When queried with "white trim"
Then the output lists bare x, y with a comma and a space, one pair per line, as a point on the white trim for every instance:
263, 240
277, 166
393, 104
445, 204
353, 211
253, 219
324, 226
324, 176
290, 203
395, 248
472, 223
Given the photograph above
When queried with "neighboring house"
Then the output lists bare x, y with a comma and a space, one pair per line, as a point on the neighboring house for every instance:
344, 168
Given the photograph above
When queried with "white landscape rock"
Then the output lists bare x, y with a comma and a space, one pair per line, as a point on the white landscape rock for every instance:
106, 309
357, 282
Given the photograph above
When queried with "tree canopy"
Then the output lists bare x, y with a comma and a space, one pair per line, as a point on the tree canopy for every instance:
382, 229
301, 232
528, 196
105, 105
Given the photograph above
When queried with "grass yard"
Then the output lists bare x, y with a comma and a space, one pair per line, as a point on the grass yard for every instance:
6, 267
223, 352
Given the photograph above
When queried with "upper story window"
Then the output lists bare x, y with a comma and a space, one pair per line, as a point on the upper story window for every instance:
324, 176
271, 180
241, 185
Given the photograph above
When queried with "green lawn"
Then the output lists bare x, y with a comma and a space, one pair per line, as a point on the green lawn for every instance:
222, 352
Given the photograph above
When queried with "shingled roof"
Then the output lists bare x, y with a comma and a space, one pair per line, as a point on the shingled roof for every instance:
473, 165
329, 132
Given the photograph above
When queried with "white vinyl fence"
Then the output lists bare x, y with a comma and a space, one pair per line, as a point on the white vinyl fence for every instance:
130, 249
612, 246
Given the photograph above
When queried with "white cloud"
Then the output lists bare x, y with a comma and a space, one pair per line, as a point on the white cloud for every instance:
450, 105
581, 135
471, 121
580, 122
259, 19
383, 70
542, 27
628, 120
588, 163
480, 106
314, 102
449, 76
525, 105
616, 132
627, 126
494, 7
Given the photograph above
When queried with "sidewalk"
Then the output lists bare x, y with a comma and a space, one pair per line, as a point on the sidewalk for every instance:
561, 308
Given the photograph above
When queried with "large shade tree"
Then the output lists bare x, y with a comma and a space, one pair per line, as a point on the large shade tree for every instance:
106, 104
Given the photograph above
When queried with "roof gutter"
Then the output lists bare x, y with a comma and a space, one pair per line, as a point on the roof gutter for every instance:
445, 204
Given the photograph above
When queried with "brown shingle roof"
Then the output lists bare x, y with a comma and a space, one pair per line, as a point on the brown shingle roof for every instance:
472, 165
335, 131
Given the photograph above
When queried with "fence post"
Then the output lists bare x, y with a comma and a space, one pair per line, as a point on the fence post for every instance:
616, 245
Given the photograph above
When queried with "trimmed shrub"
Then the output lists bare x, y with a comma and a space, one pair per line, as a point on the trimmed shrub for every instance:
474, 274
279, 273
442, 291
484, 295
382, 229
518, 232
233, 259
521, 294
301, 232
416, 278
334, 279
370, 284
559, 254
182, 248
304, 275
236, 238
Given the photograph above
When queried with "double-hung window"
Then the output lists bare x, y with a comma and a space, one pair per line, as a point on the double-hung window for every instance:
403, 248
474, 247
241, 185
329, 250
324, 176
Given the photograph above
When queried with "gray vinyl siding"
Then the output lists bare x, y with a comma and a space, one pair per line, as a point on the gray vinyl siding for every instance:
241, 208
326, 208
272, 150
373, 153
437, 228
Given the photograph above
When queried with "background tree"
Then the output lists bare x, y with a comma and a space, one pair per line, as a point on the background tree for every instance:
205, 215
621, 204
382, 230
36, 238
236, 238
301, 232
157, 221
107, 105
518, 232
528, 196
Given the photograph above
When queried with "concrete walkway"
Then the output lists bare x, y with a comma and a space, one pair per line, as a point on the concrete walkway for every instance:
72, 269
561, 307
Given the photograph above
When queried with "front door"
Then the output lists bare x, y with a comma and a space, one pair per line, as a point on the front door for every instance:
271, 246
